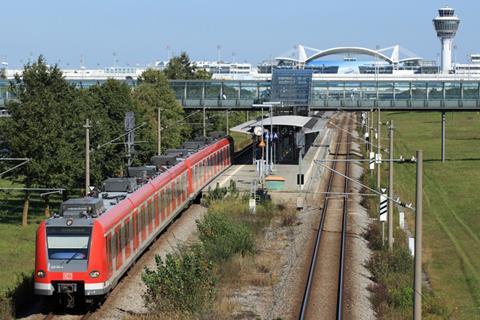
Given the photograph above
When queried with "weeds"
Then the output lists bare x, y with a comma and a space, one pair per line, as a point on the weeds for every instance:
184, 285
6, 309
184, 282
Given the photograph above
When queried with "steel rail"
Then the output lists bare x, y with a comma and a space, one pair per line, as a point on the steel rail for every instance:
344, 238
311, 270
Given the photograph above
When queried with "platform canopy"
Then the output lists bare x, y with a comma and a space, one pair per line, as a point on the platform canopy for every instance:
307, 124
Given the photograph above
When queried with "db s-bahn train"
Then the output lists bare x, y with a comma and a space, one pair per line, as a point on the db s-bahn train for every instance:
83, 251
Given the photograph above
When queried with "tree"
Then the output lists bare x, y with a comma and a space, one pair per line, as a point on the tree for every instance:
181, 68
43, 127
105, 106
153, 93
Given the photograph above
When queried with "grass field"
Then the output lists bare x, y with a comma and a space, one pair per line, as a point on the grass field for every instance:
17, 243
451, 210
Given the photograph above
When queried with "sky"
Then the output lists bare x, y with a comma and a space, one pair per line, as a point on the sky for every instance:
133, 32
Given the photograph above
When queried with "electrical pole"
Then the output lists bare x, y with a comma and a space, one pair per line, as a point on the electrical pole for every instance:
87, 157
228, 129
443, 136
417, 309
159, 146
204, 124
390, 190
370, 134
379, 149
271, 137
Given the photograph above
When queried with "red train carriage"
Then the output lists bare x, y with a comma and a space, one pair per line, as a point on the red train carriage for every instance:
86, 250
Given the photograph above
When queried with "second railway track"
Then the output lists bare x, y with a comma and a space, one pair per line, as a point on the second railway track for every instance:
324, 290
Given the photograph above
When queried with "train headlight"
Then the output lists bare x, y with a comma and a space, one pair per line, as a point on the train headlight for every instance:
40, 274
94, 274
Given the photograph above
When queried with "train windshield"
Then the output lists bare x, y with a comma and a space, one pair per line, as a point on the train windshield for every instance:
68, 243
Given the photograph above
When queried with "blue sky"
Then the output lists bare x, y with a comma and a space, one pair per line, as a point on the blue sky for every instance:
139, 31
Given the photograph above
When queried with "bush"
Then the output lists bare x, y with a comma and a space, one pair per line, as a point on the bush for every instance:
183, 283
6, 310
222, 237
220, 193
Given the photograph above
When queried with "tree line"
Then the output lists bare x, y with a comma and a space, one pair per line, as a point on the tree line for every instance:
48, 116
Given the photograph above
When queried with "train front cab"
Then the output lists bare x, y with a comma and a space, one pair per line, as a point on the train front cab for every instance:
70, 260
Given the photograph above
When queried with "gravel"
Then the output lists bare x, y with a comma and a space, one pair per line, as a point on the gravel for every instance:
127, 297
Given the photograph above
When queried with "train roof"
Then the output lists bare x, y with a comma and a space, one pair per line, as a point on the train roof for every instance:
109, 207
116, 211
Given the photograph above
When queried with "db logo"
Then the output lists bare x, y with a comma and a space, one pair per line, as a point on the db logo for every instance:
67, 276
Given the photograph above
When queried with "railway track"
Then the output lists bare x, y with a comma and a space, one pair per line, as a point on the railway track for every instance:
52, 316
324, 290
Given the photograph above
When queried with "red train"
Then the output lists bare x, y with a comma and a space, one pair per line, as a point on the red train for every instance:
84, 251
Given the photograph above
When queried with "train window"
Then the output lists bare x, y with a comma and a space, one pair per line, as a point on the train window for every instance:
185, 185
127, 231
130, 230
194, 177
108, 241
118, 247
180, 189
167, 200
139, 224
156, 208
118, 240
152, 211
122, 237
160, 204
68, 243
144, 218
114, 247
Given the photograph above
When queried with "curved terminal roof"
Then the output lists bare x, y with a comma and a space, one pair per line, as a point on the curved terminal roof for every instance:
392, 55
354, 50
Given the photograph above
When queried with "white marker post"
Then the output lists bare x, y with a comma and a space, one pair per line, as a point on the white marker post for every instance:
383, 211
401, 216
372, 160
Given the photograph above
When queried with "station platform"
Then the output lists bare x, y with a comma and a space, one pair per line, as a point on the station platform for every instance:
244, 175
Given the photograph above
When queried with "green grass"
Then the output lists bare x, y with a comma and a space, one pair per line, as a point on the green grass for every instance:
451, 214
17, 243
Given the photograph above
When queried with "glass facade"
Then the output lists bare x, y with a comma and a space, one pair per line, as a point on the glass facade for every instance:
242, 94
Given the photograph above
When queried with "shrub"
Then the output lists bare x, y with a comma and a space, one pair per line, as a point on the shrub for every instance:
184, 283
222, 237
6, 309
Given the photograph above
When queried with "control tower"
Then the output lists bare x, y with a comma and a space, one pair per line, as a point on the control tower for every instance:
446, 25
